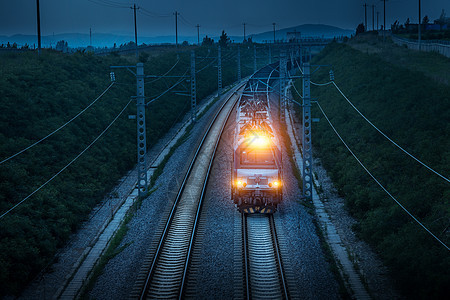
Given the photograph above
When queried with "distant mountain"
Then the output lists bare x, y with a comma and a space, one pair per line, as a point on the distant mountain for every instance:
306, 30
76, 40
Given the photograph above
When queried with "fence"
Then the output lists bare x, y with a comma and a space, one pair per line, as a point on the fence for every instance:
439, 47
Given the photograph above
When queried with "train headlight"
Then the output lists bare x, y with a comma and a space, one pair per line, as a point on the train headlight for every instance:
275, 184
260, 141
240, 184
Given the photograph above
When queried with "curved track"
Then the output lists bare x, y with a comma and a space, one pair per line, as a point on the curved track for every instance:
166, 274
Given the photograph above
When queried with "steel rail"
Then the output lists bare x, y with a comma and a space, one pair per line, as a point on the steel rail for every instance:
260, 245
197, 216
177, 200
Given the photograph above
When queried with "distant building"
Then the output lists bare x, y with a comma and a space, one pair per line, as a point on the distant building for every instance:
294, 36
436, 26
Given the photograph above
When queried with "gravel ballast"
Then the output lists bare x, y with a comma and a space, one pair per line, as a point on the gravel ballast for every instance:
309, 275
120, 272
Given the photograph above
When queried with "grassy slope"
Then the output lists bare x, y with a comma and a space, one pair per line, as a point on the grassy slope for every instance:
431, 64
413, 109
40, 94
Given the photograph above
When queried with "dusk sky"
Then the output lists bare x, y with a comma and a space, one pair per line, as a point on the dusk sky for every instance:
156, 17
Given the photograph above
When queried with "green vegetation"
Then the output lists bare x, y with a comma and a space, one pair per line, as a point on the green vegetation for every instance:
413, 109
431, 64
39, 94
113, 248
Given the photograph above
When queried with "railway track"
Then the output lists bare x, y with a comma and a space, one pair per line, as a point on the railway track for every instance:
263, 268
166, 272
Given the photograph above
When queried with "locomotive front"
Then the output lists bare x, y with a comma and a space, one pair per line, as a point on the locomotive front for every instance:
256, 182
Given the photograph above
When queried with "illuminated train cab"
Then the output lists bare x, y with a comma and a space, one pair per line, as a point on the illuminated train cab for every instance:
256, 171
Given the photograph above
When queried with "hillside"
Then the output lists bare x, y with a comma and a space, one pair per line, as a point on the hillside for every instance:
307, 30
39, 94
107, 40
412, 108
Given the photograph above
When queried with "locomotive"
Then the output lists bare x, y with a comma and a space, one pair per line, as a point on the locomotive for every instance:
257, 161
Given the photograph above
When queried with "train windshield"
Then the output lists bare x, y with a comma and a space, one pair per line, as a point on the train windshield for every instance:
257, 157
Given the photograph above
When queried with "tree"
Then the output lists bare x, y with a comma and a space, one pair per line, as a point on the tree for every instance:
143, 57
441, 20
407, 22
425, 20
360, 29
207, 41
248, 41
62, 46
224, 40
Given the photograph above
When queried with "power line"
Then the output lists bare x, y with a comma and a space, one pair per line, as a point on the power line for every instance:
297, 91
61, 127
169, 89
176, 63
187, 21
109, 3
321, 84
206, 66
66, 166
153, 14
300, 69
376, 180
388, 138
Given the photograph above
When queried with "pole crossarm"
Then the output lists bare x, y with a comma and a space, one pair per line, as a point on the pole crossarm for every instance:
171, 76
318, 67
272, 89
125, 67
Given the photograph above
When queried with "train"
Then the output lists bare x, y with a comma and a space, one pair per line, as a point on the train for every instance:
256, 176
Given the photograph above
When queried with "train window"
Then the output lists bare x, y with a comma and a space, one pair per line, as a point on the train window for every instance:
257, 157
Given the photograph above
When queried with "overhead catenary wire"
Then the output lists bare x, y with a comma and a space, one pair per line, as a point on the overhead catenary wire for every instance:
162, 76
321, 84
66, 166
284, 96
297, 91
169, 89
298, 65
206, 66
388, 138
59, 128
378, 182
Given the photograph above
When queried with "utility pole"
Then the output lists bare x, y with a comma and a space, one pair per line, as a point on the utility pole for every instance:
90, 36
135, 30
378, 13
274, 32
420, 29
384, 21
282, 68
198, 34
141, 135
373, 17
239, 63
38, 26
244, 31
365, 16
193, 88
254, 59
306, 134
176, 27
270, 54
219, 72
